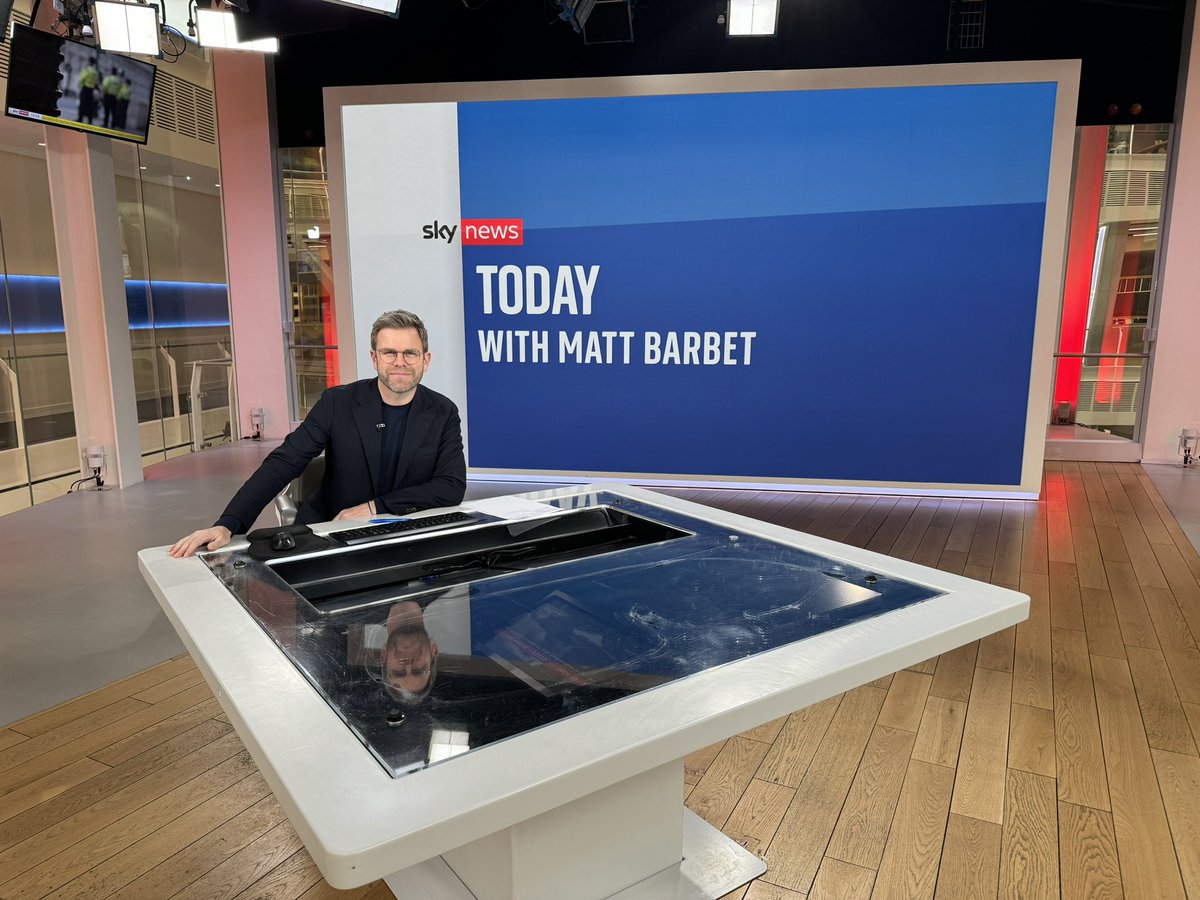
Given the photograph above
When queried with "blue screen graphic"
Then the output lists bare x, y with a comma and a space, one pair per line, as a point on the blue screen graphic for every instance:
807, 284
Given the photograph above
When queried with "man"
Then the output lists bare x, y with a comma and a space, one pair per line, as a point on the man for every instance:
408, 660
89, 82
391, 445
109, 88
123, 96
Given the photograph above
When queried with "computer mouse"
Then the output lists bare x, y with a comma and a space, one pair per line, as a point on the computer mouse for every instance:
281, 540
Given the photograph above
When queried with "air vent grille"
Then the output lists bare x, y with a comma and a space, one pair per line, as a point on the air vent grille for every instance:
309, 205
184, 108
1107, 396
20, 19
1124, 188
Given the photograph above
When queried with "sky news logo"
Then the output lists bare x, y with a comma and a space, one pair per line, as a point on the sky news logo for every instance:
474, 232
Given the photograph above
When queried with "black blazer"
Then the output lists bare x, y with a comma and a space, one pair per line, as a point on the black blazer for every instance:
431, 470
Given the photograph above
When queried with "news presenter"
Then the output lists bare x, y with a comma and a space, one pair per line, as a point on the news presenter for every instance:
391, 445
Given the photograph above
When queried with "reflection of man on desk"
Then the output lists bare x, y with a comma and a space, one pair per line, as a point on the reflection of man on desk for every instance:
409, 658
391, 445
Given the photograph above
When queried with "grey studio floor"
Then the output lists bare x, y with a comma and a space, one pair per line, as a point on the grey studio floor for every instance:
75, 614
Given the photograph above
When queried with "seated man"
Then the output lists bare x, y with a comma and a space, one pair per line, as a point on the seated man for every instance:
391, 445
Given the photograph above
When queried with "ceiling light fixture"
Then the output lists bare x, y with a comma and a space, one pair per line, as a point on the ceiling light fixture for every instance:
127, 27
752, 18
387, 7
215, 28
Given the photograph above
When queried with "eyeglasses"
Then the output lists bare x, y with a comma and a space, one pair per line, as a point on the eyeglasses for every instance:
389, 356
402, 671
403, 666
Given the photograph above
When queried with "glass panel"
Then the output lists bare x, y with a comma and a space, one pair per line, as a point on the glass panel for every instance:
316, 369
1120, 302
559, 615
173, 246
157, 408
1103, 392
1109, 392
310, 268
1131, 140
39, 455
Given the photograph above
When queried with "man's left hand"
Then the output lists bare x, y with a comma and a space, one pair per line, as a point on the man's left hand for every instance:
362, 511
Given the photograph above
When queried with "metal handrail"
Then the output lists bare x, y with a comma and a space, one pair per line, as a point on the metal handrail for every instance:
197, 411
18, 416
1145, 355
173, 373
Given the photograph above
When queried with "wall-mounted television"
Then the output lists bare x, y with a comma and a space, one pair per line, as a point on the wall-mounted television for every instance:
60, 82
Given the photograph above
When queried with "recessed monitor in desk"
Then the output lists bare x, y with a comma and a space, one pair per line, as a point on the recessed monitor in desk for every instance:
404, 570
440, 644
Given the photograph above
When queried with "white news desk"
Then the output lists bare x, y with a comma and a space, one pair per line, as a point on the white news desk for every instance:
588, 803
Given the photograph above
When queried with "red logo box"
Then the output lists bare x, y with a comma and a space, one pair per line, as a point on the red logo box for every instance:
493, 231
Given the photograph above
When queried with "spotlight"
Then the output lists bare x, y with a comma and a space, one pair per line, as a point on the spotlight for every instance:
215, 28
387, 7
126, 27
752, 18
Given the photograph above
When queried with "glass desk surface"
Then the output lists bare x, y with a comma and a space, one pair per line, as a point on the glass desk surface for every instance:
465, 654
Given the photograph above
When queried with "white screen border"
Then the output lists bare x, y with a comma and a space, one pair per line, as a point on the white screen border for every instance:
448, 375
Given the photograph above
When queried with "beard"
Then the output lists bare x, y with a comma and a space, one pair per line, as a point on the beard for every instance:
400, 382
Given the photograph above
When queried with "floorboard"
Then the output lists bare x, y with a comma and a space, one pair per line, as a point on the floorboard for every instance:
1059, 758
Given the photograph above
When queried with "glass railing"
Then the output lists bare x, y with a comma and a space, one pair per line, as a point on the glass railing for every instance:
1106, 333
1108, 392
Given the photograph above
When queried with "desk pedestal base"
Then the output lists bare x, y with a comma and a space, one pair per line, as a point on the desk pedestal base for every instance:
622, 842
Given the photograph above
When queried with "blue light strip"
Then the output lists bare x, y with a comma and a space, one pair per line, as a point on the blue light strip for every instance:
36, 302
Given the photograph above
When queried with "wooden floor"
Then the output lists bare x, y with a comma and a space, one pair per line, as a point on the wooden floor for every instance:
1057, 758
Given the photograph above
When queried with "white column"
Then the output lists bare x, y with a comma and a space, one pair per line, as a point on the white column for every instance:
1174, 401
83, 200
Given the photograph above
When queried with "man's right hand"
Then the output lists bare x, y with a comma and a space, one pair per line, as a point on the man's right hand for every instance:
208, 538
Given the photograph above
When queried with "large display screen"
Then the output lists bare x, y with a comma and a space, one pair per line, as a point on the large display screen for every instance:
60, 82
763, 285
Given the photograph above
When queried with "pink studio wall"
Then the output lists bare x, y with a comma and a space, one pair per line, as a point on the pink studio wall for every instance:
253, 238
1174, 401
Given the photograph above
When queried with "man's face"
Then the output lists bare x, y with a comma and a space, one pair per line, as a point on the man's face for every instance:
409, 662
400, 362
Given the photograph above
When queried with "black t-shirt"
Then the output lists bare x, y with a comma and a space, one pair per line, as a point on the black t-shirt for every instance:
395, 419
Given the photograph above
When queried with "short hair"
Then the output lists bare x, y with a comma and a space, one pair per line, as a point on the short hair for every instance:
400, 318
395, 691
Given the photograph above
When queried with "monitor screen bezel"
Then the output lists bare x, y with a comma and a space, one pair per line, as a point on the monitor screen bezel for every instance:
28, 115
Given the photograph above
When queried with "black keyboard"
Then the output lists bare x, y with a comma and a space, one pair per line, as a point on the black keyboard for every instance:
403, 526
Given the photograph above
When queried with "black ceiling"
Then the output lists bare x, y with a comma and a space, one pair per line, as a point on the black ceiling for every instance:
1130, 48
